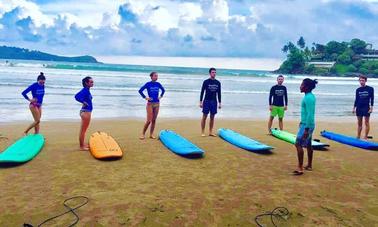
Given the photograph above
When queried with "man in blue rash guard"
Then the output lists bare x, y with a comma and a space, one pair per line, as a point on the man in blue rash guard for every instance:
38, 91
212, 90
363, 106
85, 98
153, 103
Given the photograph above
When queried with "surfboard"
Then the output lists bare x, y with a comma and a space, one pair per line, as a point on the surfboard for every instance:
24, 149
349, 140
290, 138
242, 141
178, 144
103, 146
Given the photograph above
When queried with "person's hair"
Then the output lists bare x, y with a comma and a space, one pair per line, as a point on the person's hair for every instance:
279, 76
85, 80
310, 84
41, 76
152, 73
212, 69
361, 76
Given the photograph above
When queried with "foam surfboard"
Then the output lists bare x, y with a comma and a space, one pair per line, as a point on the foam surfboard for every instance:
349, 140
290, 138
242, 141
103, 146
23, 150
179, 144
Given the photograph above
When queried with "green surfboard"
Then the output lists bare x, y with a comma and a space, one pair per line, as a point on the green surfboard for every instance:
291, 138
24, 149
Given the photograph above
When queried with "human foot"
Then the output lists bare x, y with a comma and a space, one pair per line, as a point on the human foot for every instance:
308, 168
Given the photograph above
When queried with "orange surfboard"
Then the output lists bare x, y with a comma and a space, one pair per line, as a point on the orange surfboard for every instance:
103, 146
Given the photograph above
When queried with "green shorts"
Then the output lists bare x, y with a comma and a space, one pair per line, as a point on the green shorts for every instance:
278, 110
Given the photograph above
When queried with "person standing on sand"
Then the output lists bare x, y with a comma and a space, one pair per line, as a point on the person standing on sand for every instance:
85, 98
306, 126
212, 89
153, 103
363, 106
38, 91
278, 105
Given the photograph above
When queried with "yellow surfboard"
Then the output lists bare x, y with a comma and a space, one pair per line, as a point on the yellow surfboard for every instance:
103, 146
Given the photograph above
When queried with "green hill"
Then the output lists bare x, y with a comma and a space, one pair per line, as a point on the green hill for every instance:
25, 54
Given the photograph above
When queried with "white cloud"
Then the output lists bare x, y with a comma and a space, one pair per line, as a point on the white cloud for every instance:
183, 28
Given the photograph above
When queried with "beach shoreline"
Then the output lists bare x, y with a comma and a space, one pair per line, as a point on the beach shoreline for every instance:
152, 186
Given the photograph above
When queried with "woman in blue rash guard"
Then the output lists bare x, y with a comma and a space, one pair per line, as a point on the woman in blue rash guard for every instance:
153, 103
85, 98
38, 91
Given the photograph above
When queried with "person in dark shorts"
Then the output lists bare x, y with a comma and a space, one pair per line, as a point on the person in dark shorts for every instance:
277, 103
212, 90
363, 106
306, 126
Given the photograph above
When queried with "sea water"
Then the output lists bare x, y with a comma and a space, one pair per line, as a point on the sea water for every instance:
245, 93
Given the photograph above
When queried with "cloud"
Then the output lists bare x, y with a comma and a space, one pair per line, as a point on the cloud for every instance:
237, 28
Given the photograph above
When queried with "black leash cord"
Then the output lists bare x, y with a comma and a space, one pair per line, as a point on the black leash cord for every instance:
70, 210
279, 212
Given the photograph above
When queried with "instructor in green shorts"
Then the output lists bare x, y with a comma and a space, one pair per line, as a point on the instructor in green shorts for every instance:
277, 102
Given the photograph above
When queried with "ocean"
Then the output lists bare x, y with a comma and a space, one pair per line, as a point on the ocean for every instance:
115, 93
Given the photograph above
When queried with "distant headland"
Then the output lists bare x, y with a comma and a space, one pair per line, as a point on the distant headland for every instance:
26, 54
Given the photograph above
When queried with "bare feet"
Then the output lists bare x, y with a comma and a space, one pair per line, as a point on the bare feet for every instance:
84, 148
152, 137
203, 135
298, 172
212, 134
308, 168
142, 137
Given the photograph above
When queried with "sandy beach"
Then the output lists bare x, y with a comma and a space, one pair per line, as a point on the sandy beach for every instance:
151, 186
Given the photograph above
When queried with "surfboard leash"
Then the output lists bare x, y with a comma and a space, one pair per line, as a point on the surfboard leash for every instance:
70, 210
278, 212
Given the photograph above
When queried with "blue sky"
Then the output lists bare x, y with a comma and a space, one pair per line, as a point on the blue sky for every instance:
219, 28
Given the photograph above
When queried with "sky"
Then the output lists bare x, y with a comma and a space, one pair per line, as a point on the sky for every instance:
184, 28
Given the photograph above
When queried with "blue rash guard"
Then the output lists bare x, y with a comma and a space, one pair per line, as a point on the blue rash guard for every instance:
84, 96
38, 91
152, 90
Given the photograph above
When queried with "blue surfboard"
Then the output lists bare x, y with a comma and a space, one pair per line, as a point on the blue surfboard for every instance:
349, 140
242, 141
179, 144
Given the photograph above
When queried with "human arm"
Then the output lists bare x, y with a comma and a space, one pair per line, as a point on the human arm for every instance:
220, 96
371, 100
286, 102
26, 91
141, 92
202, 93
162, 91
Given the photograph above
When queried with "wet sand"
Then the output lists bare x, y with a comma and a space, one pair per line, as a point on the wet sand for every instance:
151, 186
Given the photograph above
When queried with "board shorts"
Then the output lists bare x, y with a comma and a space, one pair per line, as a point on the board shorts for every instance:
306, 142
362, 112
277, 110
209, 106
153, 104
